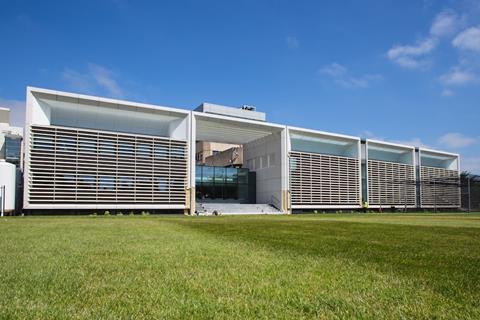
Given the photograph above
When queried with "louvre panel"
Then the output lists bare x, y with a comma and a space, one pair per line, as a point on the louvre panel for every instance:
439, 187
391, 183
72, 166
318, 179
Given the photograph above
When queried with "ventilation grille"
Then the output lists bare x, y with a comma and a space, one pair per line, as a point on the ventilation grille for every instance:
70, 166
440, 187
391, 183
317, 179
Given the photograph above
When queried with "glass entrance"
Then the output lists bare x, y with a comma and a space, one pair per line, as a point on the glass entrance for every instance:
220, 184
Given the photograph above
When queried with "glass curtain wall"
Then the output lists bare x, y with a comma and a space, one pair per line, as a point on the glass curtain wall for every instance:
222, 184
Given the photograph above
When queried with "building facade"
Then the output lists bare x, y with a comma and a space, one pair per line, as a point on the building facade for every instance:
10, 139
85, 152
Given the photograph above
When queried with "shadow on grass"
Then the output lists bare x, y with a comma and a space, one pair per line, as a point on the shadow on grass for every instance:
444, 259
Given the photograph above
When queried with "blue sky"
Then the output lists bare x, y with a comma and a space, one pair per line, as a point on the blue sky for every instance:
405, 71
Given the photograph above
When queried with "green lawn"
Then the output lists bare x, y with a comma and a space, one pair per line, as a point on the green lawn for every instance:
300, 266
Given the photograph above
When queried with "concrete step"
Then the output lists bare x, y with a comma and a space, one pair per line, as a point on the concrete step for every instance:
235, 208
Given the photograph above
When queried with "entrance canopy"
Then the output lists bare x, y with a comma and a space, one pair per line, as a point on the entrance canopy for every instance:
217, 128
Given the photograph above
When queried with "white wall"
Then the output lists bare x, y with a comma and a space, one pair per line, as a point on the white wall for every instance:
439, 160
69, 110
264, 156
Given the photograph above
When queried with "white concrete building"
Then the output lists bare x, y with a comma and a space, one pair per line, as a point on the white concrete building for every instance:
390, 172
438, 173
85, 152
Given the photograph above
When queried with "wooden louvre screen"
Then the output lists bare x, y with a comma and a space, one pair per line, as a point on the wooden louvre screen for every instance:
77, 166
391, 183
439, 187
319, 179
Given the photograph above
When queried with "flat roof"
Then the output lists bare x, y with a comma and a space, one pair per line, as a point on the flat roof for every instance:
438, 152
391, 144
224, 117
323, 133
231, 111
54, 94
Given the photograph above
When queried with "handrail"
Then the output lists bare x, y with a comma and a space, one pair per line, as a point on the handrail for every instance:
274, 201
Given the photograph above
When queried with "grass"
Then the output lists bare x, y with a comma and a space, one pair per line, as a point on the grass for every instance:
302, 266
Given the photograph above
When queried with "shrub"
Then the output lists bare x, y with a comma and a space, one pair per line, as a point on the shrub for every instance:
119, 214
106, 213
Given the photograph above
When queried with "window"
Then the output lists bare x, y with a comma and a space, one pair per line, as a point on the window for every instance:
161, 151
144, 150
162, 184
13, 149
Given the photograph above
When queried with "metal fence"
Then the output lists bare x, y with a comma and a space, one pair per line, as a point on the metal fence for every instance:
470, 191
435, 194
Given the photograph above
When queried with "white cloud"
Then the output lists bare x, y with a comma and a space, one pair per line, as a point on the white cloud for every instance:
334, 70
77, 80
447, 93
468, 39
17, 111
412, 57
470, 164
416, 142
458, 76
105, 79
456, 140
292, 42
415, 56
94, 79
370, 135
341, 76
444, 24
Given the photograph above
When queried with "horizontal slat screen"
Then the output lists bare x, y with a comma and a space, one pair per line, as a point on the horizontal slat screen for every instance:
71, 166
439, 187
390, 183
318, 179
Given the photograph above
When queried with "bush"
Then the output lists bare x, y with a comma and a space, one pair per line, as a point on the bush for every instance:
106, 213
119, 214
131, 213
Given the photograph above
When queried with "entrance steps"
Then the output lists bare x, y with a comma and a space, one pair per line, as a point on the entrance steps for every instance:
234, 208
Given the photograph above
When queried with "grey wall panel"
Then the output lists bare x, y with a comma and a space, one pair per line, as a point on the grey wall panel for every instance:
439, 187
391, 183
323, 180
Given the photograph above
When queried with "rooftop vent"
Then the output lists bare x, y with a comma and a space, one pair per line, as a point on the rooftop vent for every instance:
248, 108
245, 111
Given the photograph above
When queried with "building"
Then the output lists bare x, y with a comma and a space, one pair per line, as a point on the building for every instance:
438, 176
89, 153
390, 173
206, 149
232, 157
10, 162
10, 139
